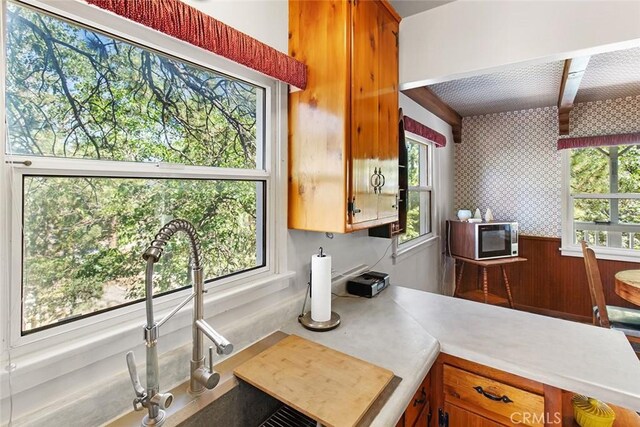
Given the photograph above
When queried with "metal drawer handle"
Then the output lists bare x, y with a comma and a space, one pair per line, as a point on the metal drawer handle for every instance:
493, 397
422, 399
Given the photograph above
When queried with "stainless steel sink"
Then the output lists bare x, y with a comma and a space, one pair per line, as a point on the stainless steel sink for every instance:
243, 406
235, 403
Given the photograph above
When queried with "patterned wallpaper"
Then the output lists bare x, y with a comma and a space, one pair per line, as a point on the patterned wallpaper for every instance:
606, 117
508, 161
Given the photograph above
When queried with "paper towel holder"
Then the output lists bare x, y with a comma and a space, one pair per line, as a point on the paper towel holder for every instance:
314, 325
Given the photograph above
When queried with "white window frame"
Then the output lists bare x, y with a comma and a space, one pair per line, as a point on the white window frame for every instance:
55, 344
426, 183
568, 247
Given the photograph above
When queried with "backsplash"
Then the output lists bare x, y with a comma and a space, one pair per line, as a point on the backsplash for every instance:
509, 162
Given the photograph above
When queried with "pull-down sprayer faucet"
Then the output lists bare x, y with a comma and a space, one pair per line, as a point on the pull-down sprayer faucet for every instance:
201, 377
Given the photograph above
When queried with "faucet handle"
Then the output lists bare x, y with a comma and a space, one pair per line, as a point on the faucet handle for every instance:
163, 400
133, 373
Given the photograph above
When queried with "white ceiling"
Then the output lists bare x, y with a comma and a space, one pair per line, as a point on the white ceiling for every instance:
516, 89
411, 7
608, 76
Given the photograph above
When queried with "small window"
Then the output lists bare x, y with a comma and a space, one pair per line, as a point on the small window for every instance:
420, 193
120, 139
604, 198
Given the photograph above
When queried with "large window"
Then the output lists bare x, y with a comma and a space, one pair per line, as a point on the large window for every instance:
603, 206
420, 194
110, 140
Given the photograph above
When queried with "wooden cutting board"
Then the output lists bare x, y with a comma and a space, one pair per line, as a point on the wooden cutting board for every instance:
329, 386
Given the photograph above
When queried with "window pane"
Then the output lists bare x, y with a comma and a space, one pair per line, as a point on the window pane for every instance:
425, 199
77, 93
590, 210
629, 169
413, 217
413, 163
83, 238
590, 170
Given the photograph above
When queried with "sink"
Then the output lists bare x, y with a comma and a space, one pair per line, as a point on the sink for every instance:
236, 403
242, 406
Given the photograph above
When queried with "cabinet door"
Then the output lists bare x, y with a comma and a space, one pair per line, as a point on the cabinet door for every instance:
459, 417
365, 123
423, 419
388, 114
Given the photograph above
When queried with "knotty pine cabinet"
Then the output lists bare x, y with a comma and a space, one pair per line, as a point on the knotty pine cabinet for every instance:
419, 411
343, 133
461, 393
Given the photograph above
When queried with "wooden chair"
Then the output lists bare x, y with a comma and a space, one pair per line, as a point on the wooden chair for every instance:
624, 319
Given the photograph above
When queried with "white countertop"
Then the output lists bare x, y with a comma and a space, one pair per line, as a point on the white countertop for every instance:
379, 331
404, 330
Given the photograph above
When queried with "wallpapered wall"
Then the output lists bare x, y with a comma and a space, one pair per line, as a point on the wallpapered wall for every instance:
508, 161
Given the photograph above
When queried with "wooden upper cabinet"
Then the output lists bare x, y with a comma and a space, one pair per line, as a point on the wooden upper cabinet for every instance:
343, 132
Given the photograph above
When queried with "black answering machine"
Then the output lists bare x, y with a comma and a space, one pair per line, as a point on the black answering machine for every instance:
368, 284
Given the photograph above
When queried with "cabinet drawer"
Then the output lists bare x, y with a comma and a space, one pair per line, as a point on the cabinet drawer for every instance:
508, 404
417, 404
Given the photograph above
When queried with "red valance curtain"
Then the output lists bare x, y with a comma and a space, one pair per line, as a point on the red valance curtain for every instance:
599, 141
187, 23
414, 126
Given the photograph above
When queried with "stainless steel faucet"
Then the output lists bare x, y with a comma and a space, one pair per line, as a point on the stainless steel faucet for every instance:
201, 377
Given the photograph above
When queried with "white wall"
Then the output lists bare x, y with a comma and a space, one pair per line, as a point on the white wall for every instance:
265, 20
466, 38
102, 386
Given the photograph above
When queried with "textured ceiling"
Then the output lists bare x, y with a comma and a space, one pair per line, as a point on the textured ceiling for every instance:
611, 75
411, 7
517, 89
608, 75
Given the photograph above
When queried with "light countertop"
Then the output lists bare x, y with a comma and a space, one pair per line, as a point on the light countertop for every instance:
404, 330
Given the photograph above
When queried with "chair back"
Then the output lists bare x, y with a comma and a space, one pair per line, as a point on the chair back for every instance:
595, 286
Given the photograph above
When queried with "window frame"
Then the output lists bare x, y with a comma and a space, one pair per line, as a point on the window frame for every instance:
272, 275
426, 184
568, 247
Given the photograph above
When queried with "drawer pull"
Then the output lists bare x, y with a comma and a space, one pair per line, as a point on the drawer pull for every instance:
504, 398
422, 399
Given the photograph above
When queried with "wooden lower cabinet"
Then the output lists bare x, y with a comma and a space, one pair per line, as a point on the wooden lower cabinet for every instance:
459, 417
460, 393
418, 412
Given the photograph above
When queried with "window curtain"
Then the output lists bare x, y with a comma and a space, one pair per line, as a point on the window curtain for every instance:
599, 141
188, 24
414, 126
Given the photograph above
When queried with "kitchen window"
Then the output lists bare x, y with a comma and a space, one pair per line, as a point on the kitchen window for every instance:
107, 140
602, 202
420, 193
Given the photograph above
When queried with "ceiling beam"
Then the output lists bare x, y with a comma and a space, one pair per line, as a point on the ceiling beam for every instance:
431, 102
574, 69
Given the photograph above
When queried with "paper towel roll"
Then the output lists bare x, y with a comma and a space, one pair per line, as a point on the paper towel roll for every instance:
321, 288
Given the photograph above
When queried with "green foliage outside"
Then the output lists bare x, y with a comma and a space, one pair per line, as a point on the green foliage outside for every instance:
413, 201
590, 173
76, 94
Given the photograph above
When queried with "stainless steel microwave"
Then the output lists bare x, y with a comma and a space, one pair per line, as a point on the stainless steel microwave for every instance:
482, 240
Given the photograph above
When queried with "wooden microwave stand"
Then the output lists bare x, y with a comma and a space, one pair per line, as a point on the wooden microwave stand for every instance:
343, 128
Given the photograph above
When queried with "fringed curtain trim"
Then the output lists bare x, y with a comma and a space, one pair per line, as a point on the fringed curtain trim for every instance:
187, 23
599, 141
424, 131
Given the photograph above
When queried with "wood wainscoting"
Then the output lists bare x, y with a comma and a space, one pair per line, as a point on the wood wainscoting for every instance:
549, 283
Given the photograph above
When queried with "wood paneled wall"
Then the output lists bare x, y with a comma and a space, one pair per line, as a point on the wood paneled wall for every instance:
549, 283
